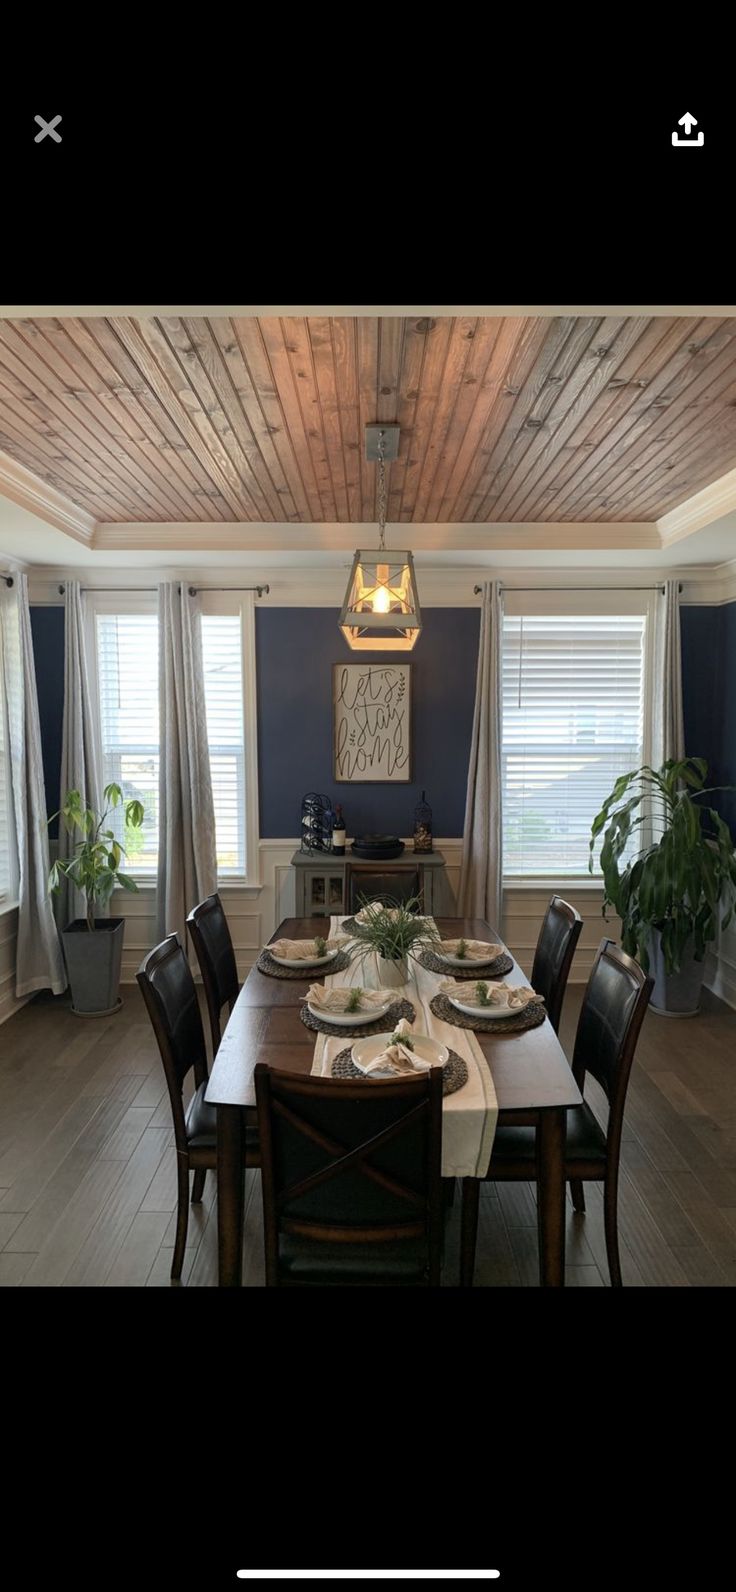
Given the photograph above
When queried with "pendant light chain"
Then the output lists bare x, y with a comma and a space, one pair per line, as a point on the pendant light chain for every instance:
381, 493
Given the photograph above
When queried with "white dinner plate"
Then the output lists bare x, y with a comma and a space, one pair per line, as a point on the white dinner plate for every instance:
351, 1019
484, 1011
364, 1051
305, 961
468, 961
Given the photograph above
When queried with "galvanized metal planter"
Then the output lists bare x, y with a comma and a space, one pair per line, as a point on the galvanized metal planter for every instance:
674, 994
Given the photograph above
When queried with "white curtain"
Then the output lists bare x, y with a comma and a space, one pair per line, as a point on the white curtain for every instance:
39, 961
668, 733
187, 858
480, 893
79, 756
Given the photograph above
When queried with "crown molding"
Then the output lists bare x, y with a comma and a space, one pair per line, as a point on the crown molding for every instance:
32, 493
699, 510
270, 537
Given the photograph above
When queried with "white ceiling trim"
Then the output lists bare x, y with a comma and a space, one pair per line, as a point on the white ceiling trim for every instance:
271, 537
710, 504
27, 489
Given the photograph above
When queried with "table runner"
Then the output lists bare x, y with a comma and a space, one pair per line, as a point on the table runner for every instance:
468, 1117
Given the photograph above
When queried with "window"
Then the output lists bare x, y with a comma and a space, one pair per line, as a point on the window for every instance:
4, 791
573, 721
127, 665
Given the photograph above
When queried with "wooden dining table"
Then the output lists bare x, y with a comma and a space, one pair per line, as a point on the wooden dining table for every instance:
532, 1078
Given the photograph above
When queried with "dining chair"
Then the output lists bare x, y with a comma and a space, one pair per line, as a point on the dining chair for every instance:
351, 1173
615, 1000
558, 938
210, 937
168, 989
371, 884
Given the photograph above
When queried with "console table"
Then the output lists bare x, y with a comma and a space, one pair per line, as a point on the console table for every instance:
320, 880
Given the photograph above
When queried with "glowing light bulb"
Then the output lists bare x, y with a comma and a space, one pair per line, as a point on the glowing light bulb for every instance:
382, 601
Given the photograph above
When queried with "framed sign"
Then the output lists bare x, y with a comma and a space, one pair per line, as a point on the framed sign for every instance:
371, 723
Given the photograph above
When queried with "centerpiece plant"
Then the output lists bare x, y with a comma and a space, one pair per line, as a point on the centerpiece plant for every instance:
391, 934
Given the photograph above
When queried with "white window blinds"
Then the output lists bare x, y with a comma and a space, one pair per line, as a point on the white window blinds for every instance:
127, 660
573, 701
222, 657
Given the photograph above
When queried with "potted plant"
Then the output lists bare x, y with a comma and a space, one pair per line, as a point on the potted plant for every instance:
670, 890
389, 936
93, 946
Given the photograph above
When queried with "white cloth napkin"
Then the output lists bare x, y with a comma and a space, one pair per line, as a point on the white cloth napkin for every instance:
475, 950
469, 1115
302, 950
497, 994
336, 999
398, 1057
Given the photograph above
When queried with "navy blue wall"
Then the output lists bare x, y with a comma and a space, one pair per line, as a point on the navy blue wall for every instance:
708, 638
47, 630
295, 651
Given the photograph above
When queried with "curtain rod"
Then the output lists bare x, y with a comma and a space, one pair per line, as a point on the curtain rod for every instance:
192, 590
8, 580
478, 589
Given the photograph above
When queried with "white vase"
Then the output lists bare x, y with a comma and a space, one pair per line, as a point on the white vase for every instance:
382, 972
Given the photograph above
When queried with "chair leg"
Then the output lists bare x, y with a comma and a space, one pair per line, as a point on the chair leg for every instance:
469, 1230
198, 1186
610, 1211
448, 1187
578, 1197
182, 1216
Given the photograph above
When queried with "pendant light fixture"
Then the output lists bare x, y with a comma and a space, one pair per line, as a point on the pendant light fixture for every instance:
381, 608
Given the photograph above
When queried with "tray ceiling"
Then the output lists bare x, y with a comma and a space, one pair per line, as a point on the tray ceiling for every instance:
503, 419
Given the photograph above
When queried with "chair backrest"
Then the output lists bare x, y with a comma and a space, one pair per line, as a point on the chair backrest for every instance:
371, 884
350, 1161
615, 1000
210, 934
558, 938
169, 991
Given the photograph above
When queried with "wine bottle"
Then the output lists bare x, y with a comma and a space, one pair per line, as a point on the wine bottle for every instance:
338, 832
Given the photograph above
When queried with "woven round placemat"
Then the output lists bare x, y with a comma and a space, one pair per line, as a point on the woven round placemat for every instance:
454, 1072
348, 926
494, 969
386, 1023
530, 1016
266, 964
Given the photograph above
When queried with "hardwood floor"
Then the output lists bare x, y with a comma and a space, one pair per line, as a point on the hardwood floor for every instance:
88, 1177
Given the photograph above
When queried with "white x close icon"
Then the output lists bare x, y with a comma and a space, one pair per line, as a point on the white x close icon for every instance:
47, 127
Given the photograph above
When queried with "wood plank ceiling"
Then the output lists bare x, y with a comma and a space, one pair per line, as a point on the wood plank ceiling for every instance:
502, 419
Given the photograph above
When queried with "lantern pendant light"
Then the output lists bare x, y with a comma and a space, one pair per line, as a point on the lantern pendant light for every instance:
381, 608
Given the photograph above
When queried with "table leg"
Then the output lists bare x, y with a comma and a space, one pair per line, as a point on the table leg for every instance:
551, 1197
230, 1196
469, 1229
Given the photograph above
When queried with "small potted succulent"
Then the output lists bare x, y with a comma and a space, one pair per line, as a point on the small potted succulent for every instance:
93, 946
390, 933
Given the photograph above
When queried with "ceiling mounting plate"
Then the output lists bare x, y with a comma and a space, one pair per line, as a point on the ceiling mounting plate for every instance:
391, 435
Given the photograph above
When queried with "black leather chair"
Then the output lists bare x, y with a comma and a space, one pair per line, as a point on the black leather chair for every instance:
210, 937
352, 1185
168, 989
372, 884
616, 998
558, 938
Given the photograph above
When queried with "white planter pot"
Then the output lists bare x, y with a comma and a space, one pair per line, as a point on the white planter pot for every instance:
379, 972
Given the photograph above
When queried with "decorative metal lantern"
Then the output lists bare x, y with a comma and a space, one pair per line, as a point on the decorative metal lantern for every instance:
423, 825
381, 608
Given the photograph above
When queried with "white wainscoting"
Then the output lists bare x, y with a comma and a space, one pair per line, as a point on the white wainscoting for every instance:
9, 1002
720, 966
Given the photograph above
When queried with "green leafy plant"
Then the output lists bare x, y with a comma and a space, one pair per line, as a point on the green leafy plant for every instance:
481, 990
684, 873
393, 930
95, 867
462, 950
320, 946
355, 1000
398, 1038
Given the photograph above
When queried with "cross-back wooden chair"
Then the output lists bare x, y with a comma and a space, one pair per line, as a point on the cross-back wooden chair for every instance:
210, 937
352, 1184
